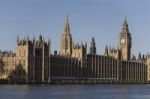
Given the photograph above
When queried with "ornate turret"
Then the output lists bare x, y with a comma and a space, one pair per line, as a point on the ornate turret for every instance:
139, 56
133, 57
106, 50
27, 39
93, 47
40, 38
17, 39
33, 39
49, 42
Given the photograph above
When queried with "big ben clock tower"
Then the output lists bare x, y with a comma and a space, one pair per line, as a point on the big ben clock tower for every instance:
125, 42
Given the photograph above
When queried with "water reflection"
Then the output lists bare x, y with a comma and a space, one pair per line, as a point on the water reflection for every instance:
75, 91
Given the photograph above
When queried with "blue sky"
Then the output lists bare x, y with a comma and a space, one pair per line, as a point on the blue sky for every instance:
99, 18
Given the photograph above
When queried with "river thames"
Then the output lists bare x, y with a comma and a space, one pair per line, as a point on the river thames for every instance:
100, 91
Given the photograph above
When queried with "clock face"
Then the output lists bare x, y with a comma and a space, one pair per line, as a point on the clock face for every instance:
122, 40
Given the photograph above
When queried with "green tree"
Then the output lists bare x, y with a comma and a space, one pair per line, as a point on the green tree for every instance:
17, 75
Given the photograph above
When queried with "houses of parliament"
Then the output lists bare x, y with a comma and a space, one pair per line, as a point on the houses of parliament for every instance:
33, 61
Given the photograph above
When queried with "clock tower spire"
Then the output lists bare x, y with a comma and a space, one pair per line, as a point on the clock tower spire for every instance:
125, 41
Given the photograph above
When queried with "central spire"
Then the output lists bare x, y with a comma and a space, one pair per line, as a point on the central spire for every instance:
66, 26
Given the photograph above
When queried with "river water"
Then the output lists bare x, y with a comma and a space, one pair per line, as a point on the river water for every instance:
99, 91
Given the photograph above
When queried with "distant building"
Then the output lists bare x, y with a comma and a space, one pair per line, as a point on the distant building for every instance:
33, 62
33, 56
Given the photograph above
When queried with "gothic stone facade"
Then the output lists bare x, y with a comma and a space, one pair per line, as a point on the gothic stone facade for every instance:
73, 64
33, 56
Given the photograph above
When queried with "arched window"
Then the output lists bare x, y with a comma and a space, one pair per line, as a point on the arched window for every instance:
66, 44
24, 52
19, 52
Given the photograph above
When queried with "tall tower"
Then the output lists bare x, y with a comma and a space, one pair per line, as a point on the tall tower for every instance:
66, 40
23, 47
106, 50
93, 47
125, 41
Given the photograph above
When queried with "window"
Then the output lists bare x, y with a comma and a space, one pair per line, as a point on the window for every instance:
24, 52
19, 52
66, 43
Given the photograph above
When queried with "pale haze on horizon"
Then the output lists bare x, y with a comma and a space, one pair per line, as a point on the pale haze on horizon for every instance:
101, 19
